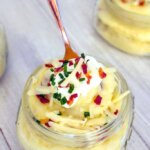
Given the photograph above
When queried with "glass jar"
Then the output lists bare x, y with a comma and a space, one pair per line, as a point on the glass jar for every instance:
113, 135
127, 30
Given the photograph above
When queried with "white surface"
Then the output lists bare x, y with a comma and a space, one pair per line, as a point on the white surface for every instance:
33, 37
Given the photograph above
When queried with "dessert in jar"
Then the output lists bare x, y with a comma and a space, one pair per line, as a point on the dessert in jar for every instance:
125, 24
75, 104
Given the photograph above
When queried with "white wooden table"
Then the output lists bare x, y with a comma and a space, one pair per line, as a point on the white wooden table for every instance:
33, 37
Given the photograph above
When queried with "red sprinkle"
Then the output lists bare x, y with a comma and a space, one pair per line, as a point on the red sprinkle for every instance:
141, 2
98, 100
64, 86
116, 112
78, 75
42, 99
70, 101
70, 63
48, 84
47, 124
102, 74
72, 97
58, 69
49, 65
62, 61
84, 68
89, 77
77, 60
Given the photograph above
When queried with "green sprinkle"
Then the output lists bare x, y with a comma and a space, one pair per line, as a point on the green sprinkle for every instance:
61, 76
53, 83
37, 121
75, 65
86, 114
57, 96
83, 55
66, 74
71, 88
65, 70
63, 101
52, 77
52, 70
105, 124
65, 62
59, 114
81, 79
61, 81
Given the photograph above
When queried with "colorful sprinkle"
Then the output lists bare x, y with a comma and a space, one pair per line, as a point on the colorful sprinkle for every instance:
141, 2
61, 76
84, 68
70, 63
57, 96
43, 121
43, 99
78, 75
82, 79
71, 88
77, 60
116, 112
98, 100
72, 97
63, 101
49, 65
102, 74
83, 55
86, 114
89, 77
47, 125
59, 69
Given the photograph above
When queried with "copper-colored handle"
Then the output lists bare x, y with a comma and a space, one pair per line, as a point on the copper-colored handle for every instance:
54, 6
69, 52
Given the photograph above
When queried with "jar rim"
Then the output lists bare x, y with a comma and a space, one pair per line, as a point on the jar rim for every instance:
115, 123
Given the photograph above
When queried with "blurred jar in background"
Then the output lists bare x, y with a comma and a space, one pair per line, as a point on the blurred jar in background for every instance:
125, 24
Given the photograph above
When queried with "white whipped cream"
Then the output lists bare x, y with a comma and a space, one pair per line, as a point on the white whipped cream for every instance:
81, 88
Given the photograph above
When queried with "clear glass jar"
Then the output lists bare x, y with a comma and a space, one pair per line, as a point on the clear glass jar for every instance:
127, 30
112, 136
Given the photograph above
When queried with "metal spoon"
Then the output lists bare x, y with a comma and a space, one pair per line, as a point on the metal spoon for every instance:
69, 53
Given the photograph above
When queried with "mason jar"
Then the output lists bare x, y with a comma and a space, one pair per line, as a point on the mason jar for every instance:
126, 29
113, 135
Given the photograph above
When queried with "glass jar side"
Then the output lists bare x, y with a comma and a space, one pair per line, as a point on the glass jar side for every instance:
121, 30
29, 129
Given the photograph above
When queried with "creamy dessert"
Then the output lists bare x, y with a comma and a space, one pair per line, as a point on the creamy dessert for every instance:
74, 98
135, 6
3, 52
125, 24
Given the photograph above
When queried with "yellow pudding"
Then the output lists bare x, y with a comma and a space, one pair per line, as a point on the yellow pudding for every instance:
141, 7
75, 105
124, 27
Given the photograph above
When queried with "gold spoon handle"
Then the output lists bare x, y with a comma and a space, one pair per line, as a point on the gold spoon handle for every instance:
69, 52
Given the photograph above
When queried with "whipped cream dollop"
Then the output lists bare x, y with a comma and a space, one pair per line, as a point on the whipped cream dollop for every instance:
67, 80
